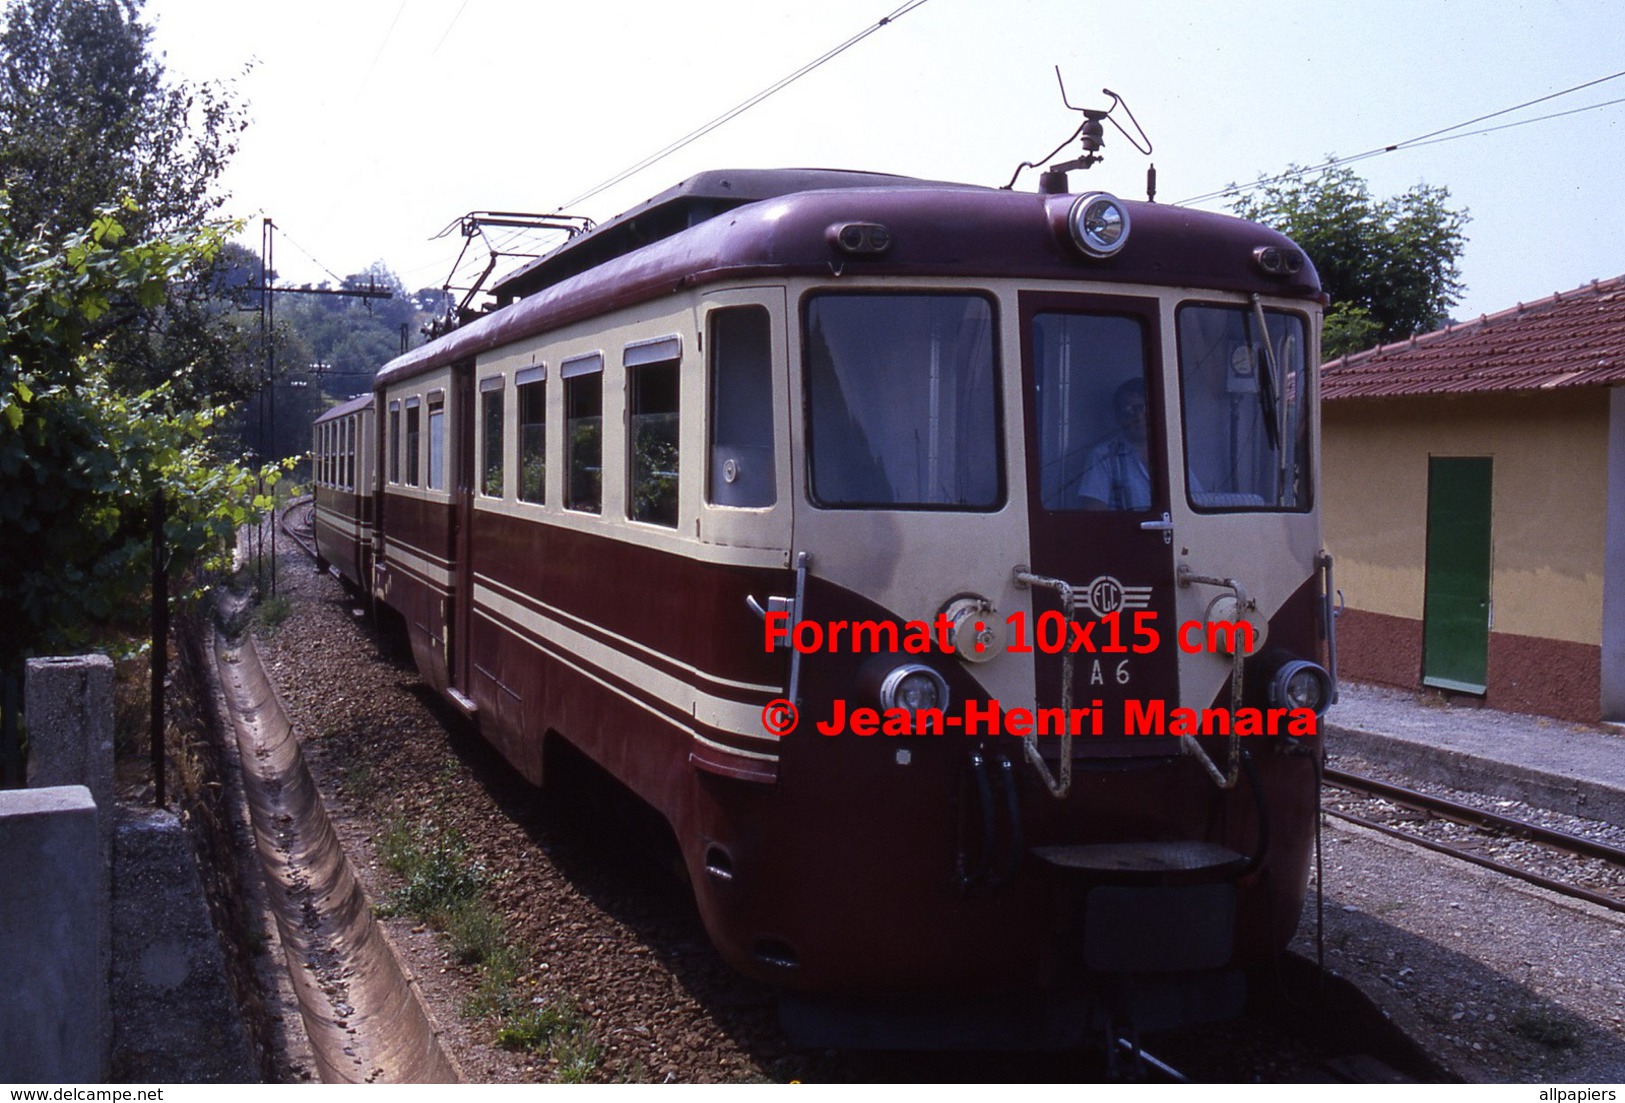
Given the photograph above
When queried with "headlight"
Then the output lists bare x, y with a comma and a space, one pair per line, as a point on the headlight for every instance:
1273, 260
1301, 684
859, 238
1099, 224
914, 687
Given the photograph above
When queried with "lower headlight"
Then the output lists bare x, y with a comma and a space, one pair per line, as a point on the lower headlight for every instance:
915, 687
1301, 684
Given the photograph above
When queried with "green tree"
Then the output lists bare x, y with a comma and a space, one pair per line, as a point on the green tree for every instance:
1389, 265
89, 117
349, 339
90, 120
81, 460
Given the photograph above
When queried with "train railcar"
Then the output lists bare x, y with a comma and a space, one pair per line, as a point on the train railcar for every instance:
943, 563
343, 450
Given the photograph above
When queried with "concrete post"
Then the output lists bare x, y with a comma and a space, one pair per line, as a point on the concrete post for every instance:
53, 911
69, 706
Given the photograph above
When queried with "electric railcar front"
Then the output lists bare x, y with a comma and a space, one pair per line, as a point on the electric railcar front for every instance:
1070, 440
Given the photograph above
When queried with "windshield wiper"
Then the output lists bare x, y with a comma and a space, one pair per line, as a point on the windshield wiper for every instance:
1268, 393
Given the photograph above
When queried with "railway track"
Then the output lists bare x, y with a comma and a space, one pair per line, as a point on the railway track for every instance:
298, 521
1487, 825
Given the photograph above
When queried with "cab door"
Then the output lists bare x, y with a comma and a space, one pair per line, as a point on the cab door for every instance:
1097, 479
744, 436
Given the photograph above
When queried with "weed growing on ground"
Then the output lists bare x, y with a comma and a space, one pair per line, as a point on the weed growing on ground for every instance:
476, 932
558, 1029
444, 886
272, 611
437, 872
357, 780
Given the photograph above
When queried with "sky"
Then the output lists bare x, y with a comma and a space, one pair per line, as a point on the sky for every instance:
377, 123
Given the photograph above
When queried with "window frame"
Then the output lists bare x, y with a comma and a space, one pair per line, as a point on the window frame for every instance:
1157, 459
1310, 375
492, 389
768, 412
637, 367
435, 477
526, 381
395, 442
414, 442
997, 450
573, 371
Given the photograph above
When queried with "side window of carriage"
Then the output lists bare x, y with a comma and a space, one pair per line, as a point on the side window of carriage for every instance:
652, 386
583, 431
347, 479
437, 440
492, 435
739, 469
414, 433
531, 383
395, 441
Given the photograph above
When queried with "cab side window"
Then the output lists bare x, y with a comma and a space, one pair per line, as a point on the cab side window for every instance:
740, 471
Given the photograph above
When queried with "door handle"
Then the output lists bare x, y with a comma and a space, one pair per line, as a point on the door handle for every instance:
1164, 526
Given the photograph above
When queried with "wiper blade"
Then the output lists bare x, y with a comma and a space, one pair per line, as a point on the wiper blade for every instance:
1266, 400
1267, 393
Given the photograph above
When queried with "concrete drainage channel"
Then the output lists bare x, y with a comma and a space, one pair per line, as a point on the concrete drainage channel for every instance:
364, 1019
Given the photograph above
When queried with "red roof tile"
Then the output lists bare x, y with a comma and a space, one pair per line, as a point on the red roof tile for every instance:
1573, 339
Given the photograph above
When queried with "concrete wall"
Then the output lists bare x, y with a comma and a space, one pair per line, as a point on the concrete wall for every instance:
55, 879
53, 910
1548, 531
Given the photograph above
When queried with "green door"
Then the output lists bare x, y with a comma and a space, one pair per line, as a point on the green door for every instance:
1456, 603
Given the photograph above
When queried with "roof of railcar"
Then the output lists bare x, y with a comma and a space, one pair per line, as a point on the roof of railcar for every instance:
345, 408
698, 199
952, 230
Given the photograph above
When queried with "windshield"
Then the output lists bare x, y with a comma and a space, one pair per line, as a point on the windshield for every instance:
901, 402
1246, 408
1094, 446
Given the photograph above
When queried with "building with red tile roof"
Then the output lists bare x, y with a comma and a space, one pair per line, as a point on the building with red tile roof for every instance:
1474, 492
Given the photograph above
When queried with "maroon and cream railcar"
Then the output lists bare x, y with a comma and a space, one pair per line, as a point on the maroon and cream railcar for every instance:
932, 463
343, 450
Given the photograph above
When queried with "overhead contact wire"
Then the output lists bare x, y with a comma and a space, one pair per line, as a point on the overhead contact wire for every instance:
740, 109
1433, 137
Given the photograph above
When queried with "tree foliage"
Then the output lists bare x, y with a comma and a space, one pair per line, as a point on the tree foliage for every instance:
344, 340
90, 120
1389, 265
81, 460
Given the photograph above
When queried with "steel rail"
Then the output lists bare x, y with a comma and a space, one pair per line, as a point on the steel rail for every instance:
1473, 817
1563, 887
298, 538
1144, 1060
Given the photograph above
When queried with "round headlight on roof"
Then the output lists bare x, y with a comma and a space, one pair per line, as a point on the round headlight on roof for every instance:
1099, 224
